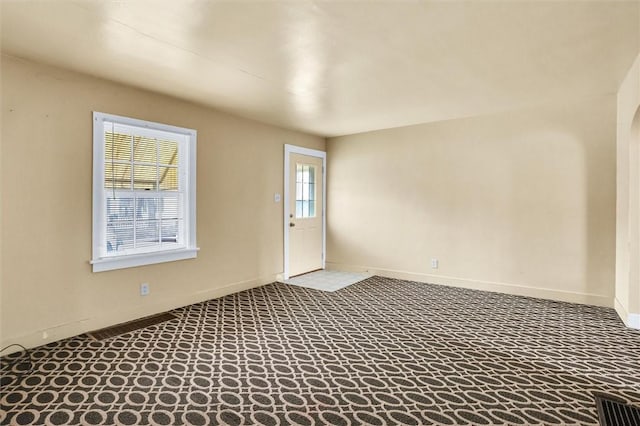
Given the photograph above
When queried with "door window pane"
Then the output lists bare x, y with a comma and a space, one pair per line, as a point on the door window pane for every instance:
305, 190
312, 174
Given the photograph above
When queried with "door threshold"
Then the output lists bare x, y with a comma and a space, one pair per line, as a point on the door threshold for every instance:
305, 273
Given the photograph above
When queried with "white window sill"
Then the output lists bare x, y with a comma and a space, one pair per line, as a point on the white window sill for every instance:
132, 260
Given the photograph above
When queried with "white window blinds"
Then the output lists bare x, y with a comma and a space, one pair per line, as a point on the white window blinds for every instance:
146, 189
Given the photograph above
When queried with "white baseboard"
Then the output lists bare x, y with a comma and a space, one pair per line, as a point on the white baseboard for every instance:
498, 287
630, 320
63, 331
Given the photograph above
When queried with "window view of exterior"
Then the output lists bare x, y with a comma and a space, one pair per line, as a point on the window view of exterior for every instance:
143, 201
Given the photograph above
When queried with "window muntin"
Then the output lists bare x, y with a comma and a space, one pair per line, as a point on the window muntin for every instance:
305, 190
144, 190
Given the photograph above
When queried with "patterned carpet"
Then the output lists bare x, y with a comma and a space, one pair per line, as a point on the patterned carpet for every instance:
379, 352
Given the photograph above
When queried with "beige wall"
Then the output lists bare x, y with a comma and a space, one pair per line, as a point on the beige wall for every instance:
47, 284
520, 202
628, 199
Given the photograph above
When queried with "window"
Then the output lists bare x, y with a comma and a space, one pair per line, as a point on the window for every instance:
305, 190
143, 192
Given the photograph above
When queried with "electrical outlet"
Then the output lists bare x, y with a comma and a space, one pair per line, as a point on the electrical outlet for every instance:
144, 289
434, 263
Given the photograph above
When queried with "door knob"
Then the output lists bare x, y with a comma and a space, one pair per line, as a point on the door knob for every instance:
291, 224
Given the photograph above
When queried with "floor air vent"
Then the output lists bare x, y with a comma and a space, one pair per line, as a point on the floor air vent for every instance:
128, 327
615, 412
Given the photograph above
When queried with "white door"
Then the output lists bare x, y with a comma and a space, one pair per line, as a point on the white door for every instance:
305, 222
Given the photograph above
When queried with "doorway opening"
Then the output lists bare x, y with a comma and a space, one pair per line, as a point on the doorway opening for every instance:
304, 210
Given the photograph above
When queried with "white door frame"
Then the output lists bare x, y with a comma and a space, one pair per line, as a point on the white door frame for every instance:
293, 149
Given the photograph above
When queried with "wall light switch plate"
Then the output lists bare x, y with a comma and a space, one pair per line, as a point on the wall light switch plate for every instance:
276, 197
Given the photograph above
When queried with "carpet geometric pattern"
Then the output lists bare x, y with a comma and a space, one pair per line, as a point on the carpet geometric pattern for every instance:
379, 352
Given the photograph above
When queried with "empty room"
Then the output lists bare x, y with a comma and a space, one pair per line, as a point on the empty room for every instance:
319, 212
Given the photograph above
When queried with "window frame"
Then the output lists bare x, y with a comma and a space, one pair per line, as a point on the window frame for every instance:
188, 138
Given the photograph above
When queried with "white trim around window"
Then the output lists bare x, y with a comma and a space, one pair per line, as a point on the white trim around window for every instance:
151, 199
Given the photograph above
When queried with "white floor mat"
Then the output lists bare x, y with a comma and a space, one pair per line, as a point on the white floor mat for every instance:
327, 280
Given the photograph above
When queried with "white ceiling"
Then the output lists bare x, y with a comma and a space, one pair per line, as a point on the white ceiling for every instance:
339, 67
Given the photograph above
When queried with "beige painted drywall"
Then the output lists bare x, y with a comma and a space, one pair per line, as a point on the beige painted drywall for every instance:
521, 202
47, 284
628, 199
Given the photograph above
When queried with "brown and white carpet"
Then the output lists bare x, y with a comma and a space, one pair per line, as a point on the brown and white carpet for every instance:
379, 352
